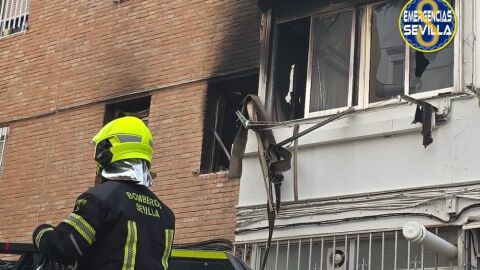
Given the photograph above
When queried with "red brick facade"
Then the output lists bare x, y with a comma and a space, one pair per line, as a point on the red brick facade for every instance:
79, 55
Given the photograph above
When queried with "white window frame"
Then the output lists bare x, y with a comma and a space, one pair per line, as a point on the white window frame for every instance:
3, 140
15, 14
310, 63
364, 67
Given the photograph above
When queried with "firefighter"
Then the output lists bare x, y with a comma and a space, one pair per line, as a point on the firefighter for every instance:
119, 224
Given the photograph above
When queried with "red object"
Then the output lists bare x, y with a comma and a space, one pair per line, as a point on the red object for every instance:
8, 246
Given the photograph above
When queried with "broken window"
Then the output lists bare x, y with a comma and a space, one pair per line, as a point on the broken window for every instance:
290, 70
139, 107
388, 69
431, 71
224, 97
13, 16
326, 58
3, 140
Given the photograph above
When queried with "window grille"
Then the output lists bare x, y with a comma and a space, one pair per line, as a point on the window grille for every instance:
364, 251
3, 139
13, 16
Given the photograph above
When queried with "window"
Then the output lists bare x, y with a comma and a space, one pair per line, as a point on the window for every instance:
139, 107
331, 83
346, 55
13, 16
3, 140
224, 97
290, 70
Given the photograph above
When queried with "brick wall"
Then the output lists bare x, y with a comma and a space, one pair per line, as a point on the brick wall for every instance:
78, 55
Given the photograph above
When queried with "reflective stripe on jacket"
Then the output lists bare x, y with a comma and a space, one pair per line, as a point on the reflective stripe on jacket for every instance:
116, 225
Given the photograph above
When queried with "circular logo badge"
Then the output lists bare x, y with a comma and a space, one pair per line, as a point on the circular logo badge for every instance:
428, 25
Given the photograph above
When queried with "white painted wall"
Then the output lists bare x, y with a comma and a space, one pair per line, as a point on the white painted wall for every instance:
379, 150
375, 151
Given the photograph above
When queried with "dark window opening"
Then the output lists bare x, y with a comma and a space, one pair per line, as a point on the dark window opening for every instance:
290, 70
220, 121
139, 107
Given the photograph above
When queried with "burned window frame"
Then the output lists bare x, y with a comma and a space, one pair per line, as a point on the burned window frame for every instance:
219, 97
358, 99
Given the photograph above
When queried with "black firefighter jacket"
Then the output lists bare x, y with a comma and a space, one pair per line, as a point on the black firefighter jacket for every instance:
116, 225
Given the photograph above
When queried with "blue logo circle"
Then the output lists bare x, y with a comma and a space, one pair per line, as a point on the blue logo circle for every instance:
428, 25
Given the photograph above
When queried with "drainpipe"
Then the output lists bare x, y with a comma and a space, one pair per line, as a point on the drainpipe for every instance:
418, 234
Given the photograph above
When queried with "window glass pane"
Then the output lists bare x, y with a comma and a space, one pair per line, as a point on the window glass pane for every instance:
431, 71
331, 61
387, 52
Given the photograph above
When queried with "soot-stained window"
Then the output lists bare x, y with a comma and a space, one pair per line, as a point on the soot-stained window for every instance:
224, 97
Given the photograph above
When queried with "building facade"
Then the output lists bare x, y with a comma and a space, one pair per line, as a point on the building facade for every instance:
356, 182
67, 67
185, 66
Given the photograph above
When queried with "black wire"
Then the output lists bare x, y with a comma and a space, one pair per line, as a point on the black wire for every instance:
335, 221
465, 209
214, 244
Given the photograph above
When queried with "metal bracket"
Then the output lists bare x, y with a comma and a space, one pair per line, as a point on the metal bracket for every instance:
439, 117
445, 115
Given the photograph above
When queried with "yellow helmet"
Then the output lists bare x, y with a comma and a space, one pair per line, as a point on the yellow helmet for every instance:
123, 138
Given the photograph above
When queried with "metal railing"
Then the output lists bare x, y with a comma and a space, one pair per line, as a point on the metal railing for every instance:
13, 16
363, 251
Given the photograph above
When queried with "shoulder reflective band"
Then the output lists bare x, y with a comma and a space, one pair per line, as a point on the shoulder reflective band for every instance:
39, 236
168, 247
199, 254
130, 246
82, 227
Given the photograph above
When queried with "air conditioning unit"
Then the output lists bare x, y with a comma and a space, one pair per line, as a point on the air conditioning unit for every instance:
336, 260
